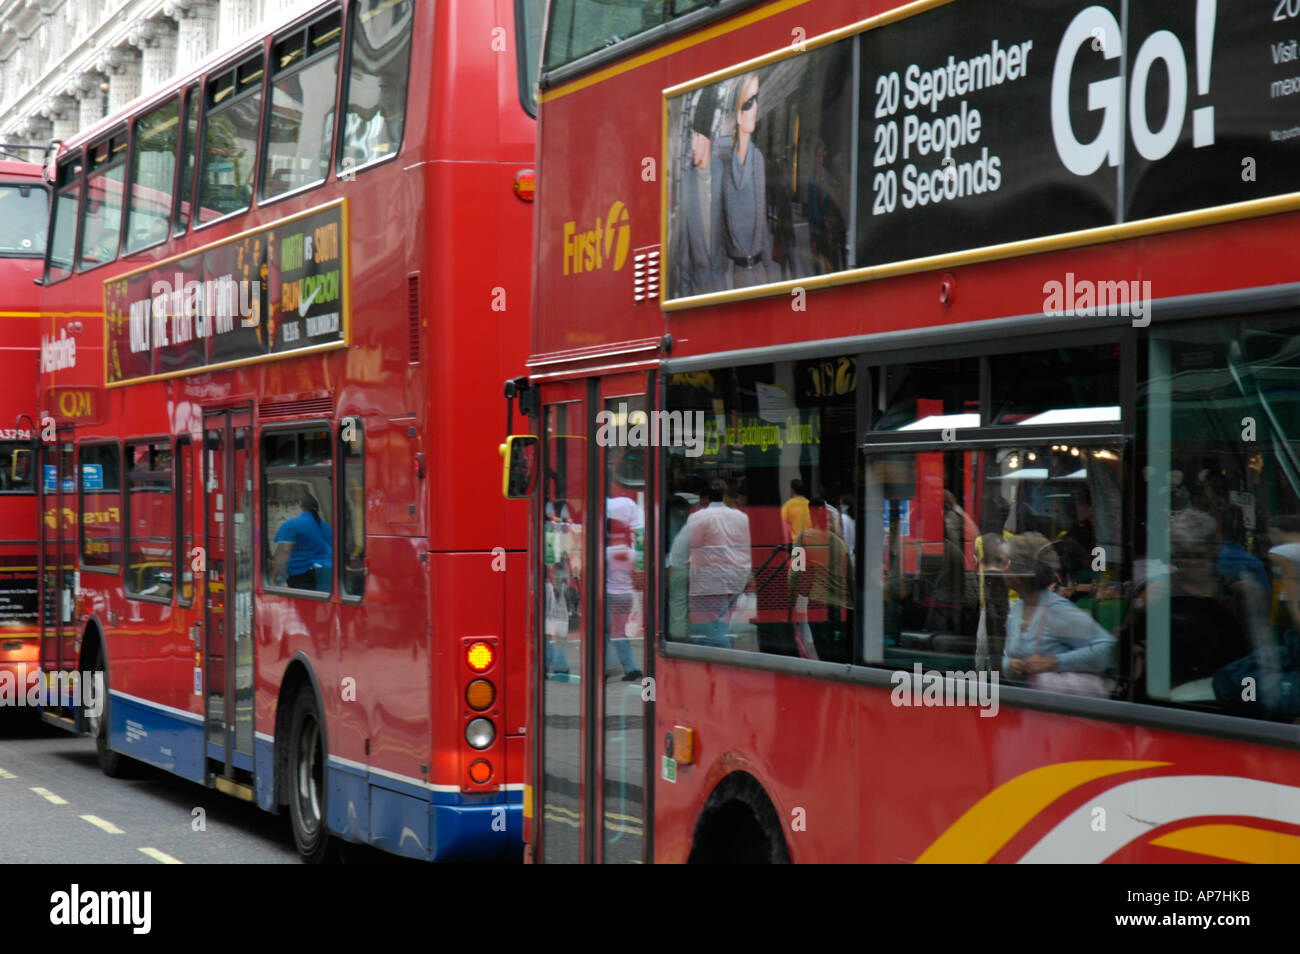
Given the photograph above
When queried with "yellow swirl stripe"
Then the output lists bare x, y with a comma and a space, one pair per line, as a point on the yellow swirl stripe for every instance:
1255, 846
995, 819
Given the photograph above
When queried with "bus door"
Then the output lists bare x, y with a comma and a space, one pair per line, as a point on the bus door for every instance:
58, 562
591, 790
228, 593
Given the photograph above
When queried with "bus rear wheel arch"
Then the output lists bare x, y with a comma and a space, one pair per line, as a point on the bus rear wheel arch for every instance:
739, 825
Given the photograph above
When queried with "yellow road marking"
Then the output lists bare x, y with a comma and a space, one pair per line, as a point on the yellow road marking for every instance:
49, 796
4, 774
162, 857
98, 822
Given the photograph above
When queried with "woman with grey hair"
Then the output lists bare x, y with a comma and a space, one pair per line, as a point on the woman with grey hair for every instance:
1050, 641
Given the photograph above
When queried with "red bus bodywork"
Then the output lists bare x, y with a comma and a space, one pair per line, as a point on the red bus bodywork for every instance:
435, 242
19, 355
847, 775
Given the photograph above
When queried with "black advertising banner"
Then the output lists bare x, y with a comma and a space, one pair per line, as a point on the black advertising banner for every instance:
956, 149
981, 123
18, 596
265, 294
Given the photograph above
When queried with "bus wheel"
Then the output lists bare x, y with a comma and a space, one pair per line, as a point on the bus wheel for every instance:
111, 763
307, 782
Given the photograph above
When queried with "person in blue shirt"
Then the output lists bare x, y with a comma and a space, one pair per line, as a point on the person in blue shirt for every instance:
304, 552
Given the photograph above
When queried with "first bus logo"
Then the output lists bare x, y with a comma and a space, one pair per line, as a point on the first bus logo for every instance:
591, 249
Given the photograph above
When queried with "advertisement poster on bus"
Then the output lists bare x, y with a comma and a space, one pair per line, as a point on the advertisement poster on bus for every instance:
980, 124
759, 175
269, 293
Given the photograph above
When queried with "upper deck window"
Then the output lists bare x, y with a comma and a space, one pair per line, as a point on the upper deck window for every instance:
101, 216
24, 211
64, 238
530, 17
581, 27
153, 167
378, 66
305, 67
230, 140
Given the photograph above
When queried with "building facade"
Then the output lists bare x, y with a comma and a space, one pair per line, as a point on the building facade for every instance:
65, 64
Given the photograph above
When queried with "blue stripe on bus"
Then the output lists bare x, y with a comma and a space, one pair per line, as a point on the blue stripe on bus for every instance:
402, 817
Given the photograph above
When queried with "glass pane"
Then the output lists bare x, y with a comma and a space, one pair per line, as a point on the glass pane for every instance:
101, 228
381, 57
302, 125
185, 480
230, 137
24, 214
1218, 624
152, 514
352, 513
298, 500
759, 513
1061, 386
187, 160
579, 27
1008, 560
564, 514
931, 396
64, 239
624, 626
101, 506
532, 13
17, 468
153, 168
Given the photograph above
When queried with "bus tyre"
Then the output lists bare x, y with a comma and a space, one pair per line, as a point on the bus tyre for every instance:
111, 763
307, 782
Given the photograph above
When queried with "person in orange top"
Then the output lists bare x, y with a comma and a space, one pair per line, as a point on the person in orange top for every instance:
794, 512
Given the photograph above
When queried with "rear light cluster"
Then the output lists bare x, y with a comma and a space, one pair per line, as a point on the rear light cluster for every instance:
480, 702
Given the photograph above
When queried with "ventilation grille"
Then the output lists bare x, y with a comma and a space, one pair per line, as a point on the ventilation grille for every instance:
645, 273
323, 406
413, 319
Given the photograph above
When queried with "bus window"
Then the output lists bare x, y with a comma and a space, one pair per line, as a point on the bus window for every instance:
24, 212
530, 15
101, 217
153, 167
297, 502
377, 78
150, 520
352, 509
760, 529
230, 140
100, 495
16, 468
64, 238
185, 495
303, 83
579, 27
182, 220
1217, 618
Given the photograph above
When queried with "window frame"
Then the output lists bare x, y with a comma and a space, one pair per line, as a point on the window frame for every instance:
74, 157
340, 492
87, 170
264, 554
231, 66
181, 475
178, 97
128, 587
305, 25
345, 85
194, 90
81, 509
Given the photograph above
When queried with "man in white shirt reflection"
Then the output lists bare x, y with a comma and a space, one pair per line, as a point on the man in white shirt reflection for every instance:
719, 564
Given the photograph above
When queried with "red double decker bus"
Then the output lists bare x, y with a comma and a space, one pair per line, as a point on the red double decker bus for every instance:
24, 211
947, 353
282, 293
